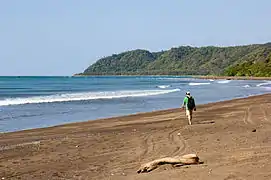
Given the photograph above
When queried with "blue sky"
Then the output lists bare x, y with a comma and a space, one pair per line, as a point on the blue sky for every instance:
63, 37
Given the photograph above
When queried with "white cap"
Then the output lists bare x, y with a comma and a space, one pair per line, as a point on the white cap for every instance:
187, 93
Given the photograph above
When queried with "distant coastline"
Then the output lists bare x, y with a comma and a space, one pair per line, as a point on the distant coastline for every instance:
192, 76
238, 61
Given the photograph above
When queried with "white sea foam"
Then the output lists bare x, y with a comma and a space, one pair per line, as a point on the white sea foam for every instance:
164, 86
198, 84
246, 86
174, 79
263, 84
83, 96
224, 81
211, 80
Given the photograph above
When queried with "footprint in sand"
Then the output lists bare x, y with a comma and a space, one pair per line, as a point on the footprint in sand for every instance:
178, 140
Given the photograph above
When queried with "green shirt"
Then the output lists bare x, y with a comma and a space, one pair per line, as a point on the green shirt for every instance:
185, 101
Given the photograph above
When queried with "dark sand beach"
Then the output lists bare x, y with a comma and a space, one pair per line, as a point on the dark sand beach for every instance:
232, 138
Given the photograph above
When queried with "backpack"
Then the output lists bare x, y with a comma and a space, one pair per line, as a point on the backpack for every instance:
190, 103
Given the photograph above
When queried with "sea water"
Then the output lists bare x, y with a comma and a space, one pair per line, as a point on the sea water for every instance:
33, 102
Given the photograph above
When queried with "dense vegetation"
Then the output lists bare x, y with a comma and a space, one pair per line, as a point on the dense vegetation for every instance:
250, 60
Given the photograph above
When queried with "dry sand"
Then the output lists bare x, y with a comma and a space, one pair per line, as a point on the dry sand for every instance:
233, 138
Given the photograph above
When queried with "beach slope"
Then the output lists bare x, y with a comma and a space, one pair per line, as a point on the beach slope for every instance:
232, 138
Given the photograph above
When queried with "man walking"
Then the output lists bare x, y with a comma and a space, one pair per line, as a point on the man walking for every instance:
189, 105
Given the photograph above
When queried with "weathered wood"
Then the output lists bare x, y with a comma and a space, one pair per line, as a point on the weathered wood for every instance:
183, 160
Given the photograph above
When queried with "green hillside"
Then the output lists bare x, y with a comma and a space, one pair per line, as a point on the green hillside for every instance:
250, 60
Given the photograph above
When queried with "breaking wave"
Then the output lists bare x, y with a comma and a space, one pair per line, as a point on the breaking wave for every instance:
223, 81
264, 84
163, 86
246, 86
198, 84
83, 96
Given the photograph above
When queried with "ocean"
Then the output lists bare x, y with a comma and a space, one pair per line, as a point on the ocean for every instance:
35, 102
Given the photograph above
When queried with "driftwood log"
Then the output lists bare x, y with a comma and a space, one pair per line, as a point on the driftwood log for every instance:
178, 160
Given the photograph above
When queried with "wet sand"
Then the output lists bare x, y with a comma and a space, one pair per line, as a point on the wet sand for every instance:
232, 138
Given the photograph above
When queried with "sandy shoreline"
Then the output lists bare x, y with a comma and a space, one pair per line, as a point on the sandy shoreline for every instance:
233, 77
193, 76
222, 135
